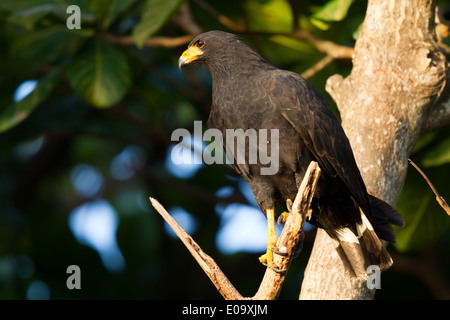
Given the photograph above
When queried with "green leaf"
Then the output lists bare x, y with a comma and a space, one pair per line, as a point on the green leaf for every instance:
334, 10
116, 7
155, 14
358, 30
272, 15
320, 24
100, 74
30, 16
425, 220
18, 5
47, 45
29, 12
438, 155
19, 111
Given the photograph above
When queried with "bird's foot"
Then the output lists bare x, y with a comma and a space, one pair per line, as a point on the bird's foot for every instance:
284, 216
267, 258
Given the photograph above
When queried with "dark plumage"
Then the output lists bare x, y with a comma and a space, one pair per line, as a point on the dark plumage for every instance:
249, 92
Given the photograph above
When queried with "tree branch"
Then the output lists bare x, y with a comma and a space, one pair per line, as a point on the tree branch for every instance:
184, 19
439, 198
287, 242
291, 235
208, 265
164, 42
322, 63
398, 75
439, 115
330, 48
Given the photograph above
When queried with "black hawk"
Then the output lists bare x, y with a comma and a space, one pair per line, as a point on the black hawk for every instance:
250, 93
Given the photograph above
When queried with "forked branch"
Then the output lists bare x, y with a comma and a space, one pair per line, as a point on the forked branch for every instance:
287, 242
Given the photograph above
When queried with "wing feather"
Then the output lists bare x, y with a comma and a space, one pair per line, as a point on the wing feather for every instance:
307, 111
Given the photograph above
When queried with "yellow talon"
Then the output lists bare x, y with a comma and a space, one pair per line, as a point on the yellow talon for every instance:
272, 239
289, 204
284, 216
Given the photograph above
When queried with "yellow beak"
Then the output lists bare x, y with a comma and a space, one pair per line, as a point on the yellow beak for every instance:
191, 54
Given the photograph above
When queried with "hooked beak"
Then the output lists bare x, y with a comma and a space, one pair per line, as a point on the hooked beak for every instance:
191, 54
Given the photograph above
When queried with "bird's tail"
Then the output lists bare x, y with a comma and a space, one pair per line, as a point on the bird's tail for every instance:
362, 247
383, 217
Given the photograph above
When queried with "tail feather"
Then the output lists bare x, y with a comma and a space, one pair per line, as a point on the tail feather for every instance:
362, 249
383, 217
375, 251
351, 251
360, 245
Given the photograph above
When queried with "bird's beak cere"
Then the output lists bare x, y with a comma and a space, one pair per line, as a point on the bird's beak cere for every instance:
191, 54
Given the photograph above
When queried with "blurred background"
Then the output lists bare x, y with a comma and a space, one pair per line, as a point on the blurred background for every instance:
89, 99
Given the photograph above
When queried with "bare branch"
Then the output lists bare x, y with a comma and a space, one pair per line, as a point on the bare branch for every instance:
439, 199
208, 265
291, 235
322, 63
287, 242
184, 19
330, 48
164, 42
227, 22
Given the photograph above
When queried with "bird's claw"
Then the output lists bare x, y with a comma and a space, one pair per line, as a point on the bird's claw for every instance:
284, 216
278, 252
270, 264
275, 268
289, 204
267, 259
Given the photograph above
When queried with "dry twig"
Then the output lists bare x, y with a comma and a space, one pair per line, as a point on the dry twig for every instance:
322, 63
164, 42
439, 198
208, 265
287, 242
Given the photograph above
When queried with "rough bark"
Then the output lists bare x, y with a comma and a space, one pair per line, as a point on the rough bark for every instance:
395, 92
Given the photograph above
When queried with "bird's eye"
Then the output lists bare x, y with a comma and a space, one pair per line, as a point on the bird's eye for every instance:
199, 43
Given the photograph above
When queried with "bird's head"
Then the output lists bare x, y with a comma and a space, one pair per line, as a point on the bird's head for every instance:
211, 47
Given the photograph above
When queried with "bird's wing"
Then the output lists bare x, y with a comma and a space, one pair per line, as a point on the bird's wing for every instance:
306, 110
241, 167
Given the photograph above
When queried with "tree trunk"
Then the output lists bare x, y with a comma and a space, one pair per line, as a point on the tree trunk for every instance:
390, 98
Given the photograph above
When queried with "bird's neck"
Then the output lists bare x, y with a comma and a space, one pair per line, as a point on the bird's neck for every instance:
229, 78
227, 68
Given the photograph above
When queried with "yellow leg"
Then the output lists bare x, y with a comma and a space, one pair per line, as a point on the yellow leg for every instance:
267, 258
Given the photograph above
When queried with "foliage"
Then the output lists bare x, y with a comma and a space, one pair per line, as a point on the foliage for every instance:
106, 99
